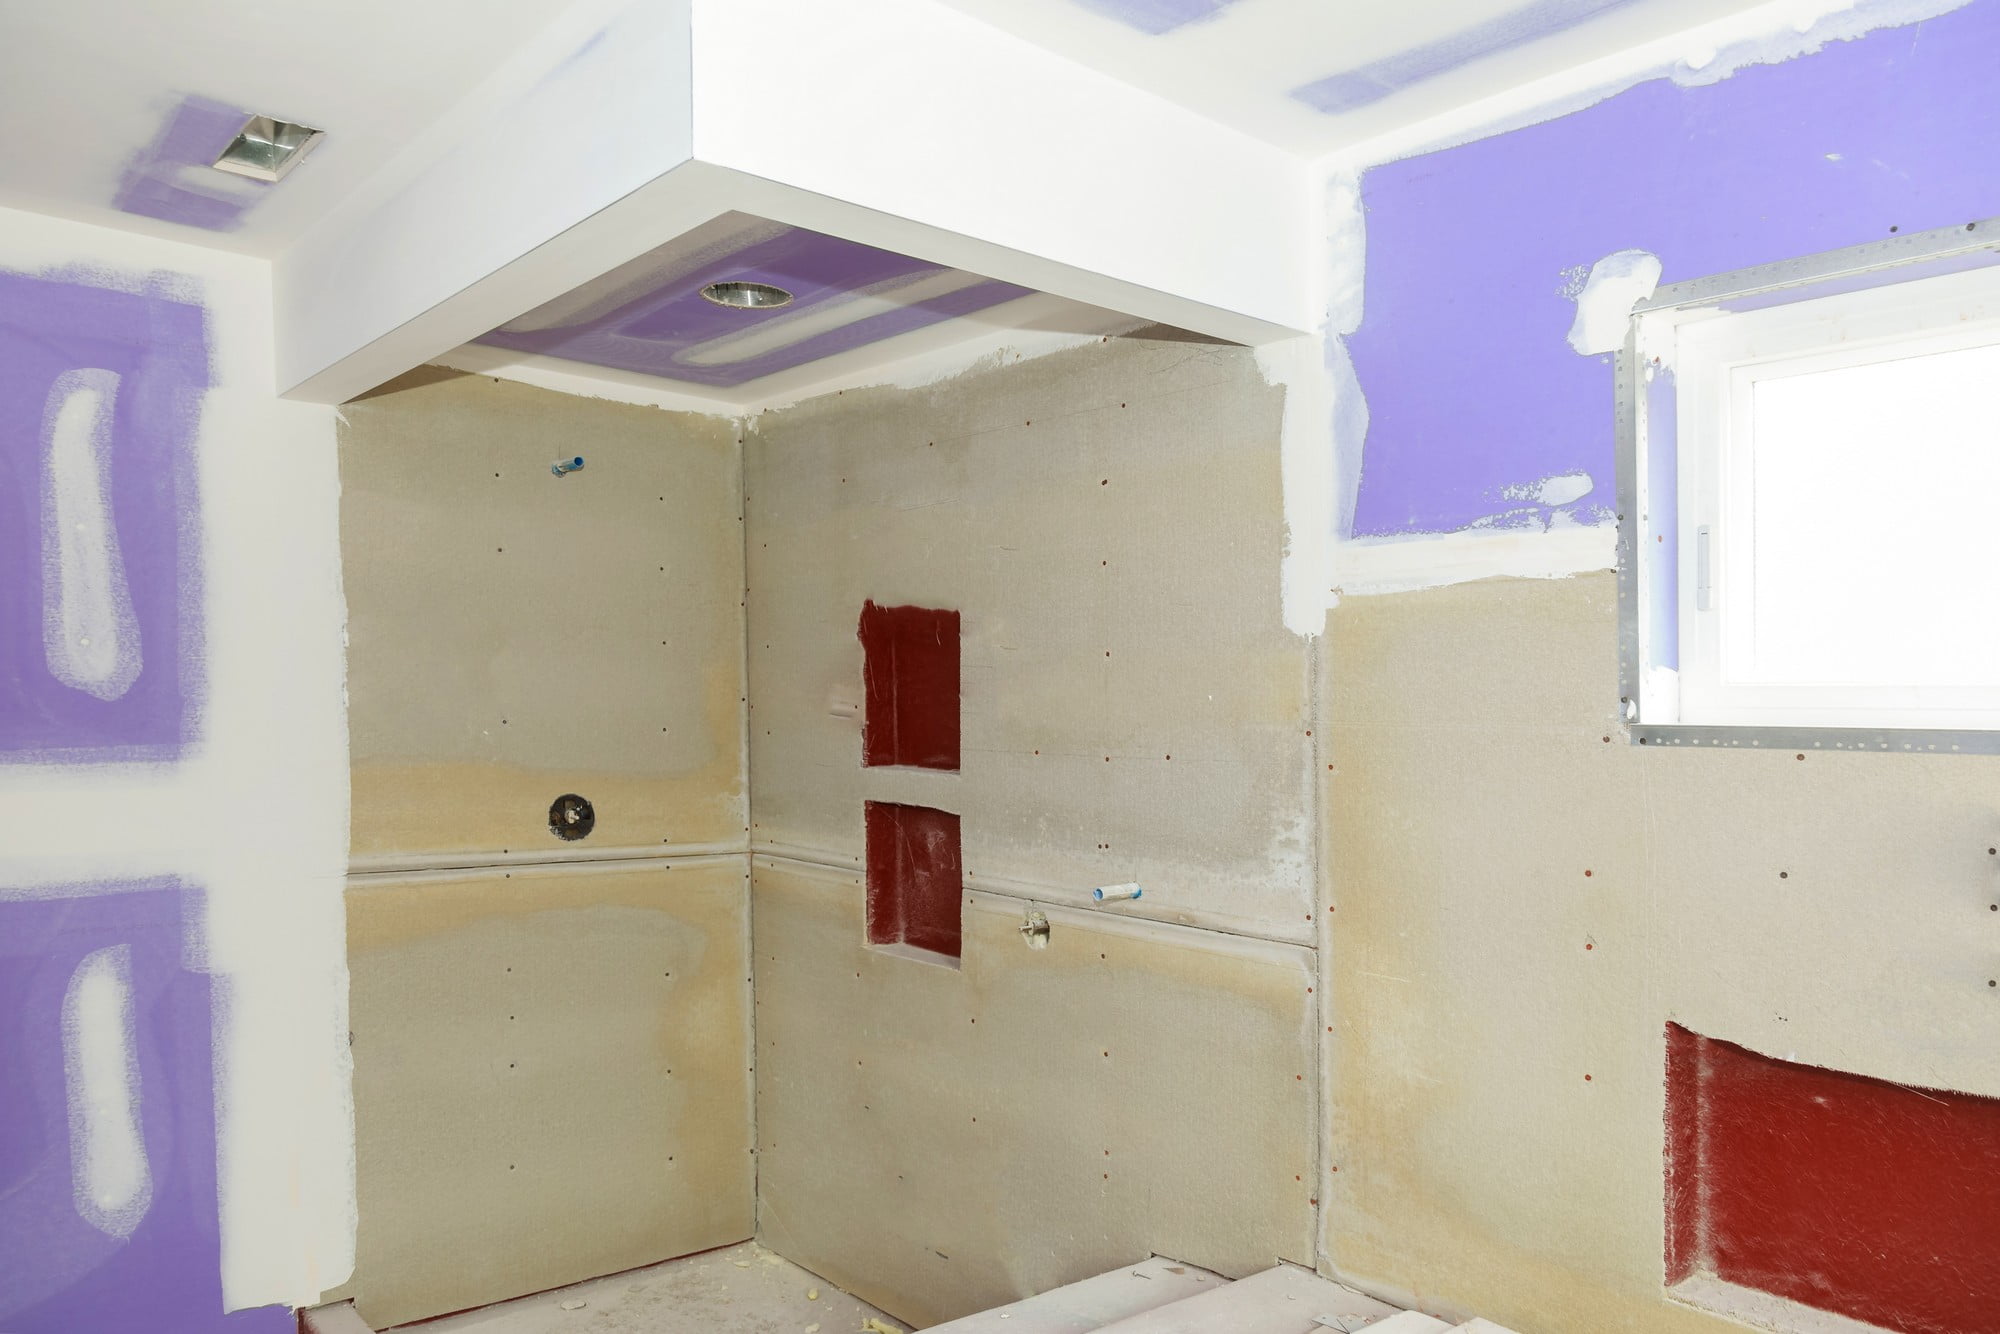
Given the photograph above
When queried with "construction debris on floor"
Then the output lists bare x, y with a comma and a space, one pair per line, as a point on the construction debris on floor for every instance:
736, 1290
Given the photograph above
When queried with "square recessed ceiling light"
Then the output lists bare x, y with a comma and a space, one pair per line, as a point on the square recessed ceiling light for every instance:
267, 148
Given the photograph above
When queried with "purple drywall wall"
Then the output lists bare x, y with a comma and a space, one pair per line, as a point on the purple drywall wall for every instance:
173, 178
59, 1274
1471, 384
157, 344
652, 334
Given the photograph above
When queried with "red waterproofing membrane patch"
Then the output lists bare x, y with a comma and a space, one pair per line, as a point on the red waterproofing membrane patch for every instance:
1875, 1200
916, 877
910, 668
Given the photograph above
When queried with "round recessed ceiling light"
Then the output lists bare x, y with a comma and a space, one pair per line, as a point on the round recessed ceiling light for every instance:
747, 296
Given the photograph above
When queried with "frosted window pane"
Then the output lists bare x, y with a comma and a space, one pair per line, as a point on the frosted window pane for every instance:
1876, 520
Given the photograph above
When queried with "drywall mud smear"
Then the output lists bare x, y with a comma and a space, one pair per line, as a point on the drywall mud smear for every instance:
1616, 283
113, 1182
514, 636
940, 1141
1523, 901
89, 634
551, 1078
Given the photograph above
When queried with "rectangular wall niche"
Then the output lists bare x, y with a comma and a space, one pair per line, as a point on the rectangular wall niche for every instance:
915, 878
1853, 1195
910, 668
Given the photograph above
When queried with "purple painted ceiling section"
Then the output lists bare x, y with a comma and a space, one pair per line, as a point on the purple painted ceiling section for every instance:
1471, 384
1372, 82
157, 345
174, 178
655, 334
1157, 16
59, 1274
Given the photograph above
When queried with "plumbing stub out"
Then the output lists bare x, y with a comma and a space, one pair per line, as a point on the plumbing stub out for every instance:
571, 817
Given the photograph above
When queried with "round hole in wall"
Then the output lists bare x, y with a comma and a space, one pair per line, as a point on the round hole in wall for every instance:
746, 295
571, 817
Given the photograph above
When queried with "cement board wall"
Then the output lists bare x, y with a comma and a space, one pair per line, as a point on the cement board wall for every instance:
1522, 901
1108, 523
515, 636
550, 1079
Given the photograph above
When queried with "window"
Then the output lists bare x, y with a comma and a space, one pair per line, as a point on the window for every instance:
1810, 481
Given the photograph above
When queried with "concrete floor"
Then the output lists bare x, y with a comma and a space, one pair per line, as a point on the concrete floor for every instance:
737, 1290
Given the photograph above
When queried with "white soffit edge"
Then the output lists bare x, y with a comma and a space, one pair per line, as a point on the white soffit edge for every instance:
409, 279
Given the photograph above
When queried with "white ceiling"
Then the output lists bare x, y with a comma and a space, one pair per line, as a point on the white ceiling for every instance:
86, 87
87, 84
1241, 65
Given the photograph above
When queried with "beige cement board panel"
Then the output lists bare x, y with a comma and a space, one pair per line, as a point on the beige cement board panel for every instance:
551, 1078
514, 636
1109, 523
940, 1141
1523, 900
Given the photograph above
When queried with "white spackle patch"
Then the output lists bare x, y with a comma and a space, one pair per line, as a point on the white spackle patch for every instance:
112, 1182
1402, 564
1814, 24
1346, 252
89, 635
1766, 34
1562, 489
1307, 465
1618, 282
1526, 518
1325, 416
1580, 517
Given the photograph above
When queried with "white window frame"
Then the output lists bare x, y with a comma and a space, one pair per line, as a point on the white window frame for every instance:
1692, 357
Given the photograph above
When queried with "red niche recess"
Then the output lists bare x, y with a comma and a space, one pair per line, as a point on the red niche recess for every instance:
1874, 1200
910, 668
916, 877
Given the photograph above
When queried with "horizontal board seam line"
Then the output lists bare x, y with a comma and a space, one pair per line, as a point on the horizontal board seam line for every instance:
1028, 892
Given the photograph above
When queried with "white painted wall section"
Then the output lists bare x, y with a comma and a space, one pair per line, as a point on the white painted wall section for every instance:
917, 111
587, 114
255, 815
